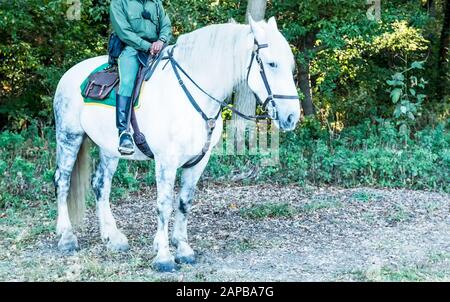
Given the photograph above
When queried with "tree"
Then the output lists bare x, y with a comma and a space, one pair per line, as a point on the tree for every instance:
312, 26
443, 49
257, 9
244, 99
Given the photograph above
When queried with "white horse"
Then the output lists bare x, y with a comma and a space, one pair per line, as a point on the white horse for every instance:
217, 57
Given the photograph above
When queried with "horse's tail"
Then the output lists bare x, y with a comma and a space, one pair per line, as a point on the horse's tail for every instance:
79, 183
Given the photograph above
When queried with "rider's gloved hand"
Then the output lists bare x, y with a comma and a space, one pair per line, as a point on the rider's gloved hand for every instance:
156, 47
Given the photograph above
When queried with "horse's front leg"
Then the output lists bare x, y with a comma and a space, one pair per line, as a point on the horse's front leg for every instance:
189, 178
101, 183
165, 178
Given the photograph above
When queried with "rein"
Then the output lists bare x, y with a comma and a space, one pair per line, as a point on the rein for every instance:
176, 66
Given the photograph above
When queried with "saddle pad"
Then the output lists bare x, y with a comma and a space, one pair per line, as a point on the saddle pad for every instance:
109, 101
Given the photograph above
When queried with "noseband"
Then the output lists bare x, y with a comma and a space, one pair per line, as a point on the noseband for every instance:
270, 96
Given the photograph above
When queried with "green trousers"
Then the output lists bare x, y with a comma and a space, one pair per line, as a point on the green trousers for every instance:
128, 68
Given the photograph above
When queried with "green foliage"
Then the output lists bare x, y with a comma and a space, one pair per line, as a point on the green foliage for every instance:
404, 94
39, 43
369, 155
26, 161
350, 55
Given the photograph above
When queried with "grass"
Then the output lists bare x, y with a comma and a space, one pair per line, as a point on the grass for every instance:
439, 257
365, 196
435, 267
399, 214
432, 207
320, 202
404, 274
244, 245
268, 210
35, 258
285, 210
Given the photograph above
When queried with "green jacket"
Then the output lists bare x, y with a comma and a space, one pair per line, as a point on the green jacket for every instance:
135, 30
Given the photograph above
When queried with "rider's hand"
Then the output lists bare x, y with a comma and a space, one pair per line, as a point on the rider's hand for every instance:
156, 47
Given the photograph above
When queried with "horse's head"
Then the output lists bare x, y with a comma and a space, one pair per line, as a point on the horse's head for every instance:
270, 74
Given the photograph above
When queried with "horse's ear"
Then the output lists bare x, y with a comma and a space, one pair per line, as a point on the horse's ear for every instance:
272, 22
232, 21
256, 29
250, 18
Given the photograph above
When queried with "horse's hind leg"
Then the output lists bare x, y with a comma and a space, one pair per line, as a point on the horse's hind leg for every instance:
101, 183
189, 178
68, 146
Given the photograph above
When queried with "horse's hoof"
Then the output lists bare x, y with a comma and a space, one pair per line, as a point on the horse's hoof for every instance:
185, 254
68, 243
185, 260
118, 243
165, 267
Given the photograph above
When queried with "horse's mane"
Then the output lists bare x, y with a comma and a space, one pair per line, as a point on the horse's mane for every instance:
221, 48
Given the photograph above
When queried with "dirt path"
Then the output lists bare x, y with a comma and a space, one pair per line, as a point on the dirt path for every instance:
251, 233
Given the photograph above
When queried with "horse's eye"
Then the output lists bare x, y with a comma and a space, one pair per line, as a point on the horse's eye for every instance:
273, 65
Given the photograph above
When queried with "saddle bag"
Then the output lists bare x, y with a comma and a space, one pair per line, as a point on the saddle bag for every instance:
101, 83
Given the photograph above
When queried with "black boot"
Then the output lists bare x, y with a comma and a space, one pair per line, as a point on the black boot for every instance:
123, 105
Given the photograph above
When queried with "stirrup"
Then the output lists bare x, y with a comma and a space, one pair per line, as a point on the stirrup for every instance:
125, 150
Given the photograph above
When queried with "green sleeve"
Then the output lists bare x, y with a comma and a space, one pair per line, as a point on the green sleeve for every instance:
165, 33
123, 29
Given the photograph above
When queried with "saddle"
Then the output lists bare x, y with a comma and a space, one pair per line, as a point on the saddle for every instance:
101, 84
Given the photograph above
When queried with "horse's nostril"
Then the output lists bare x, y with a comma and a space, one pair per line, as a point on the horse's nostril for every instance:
290, 118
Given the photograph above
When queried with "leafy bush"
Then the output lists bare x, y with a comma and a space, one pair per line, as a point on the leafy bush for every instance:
367, 154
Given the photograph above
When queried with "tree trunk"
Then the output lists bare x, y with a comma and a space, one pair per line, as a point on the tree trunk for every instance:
304, 78
431, 7
257, 9
443, 50
304, 83
244, 100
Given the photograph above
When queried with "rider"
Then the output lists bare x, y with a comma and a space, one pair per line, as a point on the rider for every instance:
142, 25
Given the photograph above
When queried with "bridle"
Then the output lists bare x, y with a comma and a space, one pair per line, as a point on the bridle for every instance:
255, 57
210, 122
270, 96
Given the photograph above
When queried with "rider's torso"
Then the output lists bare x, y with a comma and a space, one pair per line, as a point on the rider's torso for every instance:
146, 28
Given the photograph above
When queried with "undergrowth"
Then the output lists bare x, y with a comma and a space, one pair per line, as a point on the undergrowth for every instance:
363, 155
